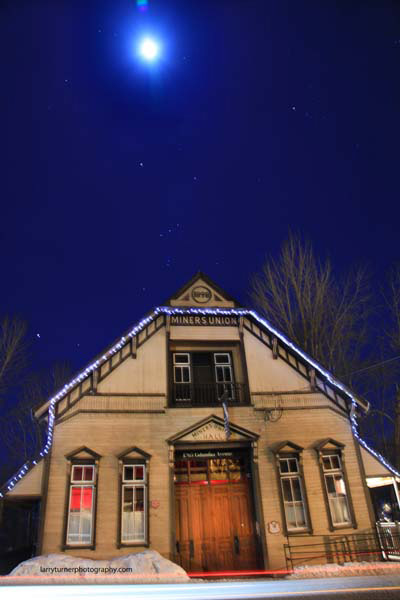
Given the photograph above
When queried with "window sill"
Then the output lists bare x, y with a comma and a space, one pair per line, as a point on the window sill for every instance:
344, 526
207, 405
299, 532
133, 545
79, 546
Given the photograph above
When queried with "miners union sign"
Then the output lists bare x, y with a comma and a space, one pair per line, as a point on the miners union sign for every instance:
221, 320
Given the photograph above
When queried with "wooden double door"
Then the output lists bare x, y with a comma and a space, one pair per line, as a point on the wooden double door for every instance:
215, 523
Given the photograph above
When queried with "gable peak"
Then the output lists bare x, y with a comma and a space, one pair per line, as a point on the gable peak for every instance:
202, 292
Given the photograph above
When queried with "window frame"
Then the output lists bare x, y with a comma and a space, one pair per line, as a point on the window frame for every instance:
82, 481
335, 448
182, 365
332, 472
72, 483
299, 475
82, 487
190, 385
134, 483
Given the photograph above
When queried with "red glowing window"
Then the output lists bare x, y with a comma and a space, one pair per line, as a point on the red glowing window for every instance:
81, 498
75, 504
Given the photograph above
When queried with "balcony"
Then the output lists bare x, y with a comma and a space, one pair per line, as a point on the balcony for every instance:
208, 394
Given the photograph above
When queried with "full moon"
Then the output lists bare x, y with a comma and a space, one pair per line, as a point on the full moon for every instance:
149, 49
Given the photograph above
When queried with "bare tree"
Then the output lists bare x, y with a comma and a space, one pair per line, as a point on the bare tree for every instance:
22, 436
13, 353
323, 314
380, 424
392, 299
382, 381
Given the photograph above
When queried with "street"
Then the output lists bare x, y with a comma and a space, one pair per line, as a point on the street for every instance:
363, 588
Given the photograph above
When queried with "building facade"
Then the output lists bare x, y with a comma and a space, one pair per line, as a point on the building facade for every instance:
204, 434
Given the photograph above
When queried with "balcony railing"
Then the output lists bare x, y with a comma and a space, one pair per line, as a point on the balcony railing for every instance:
208, 394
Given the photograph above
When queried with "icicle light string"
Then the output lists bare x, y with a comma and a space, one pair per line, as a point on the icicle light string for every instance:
160, 310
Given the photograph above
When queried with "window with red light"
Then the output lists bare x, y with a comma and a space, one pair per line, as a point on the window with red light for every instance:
81, 505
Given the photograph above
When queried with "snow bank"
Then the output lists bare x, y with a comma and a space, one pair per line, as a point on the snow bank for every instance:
349, 569
144, 567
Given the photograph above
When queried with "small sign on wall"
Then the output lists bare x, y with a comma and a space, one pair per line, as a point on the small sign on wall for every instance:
155, 504
274, 527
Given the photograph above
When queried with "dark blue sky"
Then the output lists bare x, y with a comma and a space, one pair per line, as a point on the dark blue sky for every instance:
120, 180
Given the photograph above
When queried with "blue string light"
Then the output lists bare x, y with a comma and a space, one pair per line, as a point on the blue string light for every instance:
168, 310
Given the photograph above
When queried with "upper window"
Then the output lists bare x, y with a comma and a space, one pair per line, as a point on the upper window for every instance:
82, 473
293, 498
81, 505
336, 489
203, 378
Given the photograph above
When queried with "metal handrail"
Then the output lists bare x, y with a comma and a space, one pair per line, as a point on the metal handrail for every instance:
367, 546
208, 394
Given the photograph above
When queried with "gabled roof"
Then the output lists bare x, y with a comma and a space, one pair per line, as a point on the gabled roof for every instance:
204, 278
325, 376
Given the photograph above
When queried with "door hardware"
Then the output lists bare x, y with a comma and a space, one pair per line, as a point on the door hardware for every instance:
236, 544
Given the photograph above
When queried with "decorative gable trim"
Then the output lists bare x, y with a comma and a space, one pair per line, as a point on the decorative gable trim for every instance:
281, 448
134, 450
215, 288
237, 433
327, 444
75, 454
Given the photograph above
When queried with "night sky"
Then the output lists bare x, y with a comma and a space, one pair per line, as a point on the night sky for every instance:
122, 179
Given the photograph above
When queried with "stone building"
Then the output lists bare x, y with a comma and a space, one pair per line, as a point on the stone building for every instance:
205, 434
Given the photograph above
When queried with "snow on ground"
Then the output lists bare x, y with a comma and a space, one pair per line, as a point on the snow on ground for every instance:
144, 567
150, 567
349, 569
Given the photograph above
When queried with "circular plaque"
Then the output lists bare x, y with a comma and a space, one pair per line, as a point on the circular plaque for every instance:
201, 294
